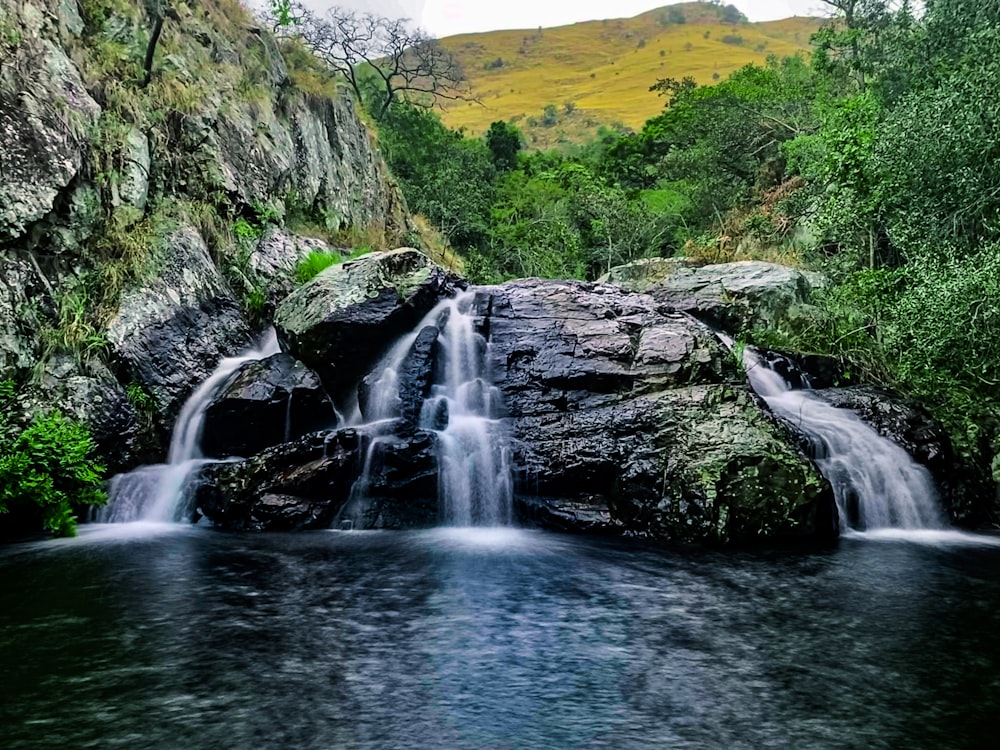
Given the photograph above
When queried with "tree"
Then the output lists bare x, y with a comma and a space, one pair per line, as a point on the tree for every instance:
504, 141
384, 56
854, 41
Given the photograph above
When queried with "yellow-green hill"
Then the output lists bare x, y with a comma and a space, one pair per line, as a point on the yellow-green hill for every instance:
599, 72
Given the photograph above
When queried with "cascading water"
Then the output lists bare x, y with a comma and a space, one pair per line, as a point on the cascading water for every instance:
473, 462
159, 492
875, 482
462, 411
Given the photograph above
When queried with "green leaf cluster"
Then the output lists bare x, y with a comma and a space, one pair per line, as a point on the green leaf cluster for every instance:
47, 469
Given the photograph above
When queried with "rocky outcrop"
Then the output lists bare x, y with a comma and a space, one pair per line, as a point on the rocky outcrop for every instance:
734, 297
45, 116
172, 331
141, 203
343, 320
623, 417
293, 486
267, 402
308, 483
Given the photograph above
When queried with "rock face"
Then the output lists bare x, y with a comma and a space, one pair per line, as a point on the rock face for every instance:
342, 321
732, 297
20, 321
173, 331
307, 484
45, 113
268, 402
92, 195
625, 417
273, 261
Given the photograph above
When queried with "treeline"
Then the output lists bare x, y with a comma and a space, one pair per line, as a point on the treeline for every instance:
876, 161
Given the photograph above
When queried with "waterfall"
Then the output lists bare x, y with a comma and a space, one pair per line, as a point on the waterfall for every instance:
877, 485
159, 492
474, 477
462, 411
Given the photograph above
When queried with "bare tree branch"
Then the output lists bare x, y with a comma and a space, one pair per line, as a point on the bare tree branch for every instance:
381, 57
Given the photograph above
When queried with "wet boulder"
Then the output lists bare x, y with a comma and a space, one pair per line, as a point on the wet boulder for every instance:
624, 417
267, 402
344, 320
413, 382
351, 476
293, 486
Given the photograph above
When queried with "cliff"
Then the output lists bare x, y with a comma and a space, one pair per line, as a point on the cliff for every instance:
149, 222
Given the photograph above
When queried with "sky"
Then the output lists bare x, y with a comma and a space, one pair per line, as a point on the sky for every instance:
447, 17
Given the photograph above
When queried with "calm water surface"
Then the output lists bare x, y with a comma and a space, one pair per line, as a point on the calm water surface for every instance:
158, 637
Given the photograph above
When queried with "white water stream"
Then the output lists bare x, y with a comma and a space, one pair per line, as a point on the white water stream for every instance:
475, 485
159, 492
876, 484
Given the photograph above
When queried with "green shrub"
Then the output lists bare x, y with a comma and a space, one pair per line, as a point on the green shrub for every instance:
50, 466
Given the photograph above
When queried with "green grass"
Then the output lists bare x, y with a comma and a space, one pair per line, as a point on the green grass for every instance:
319, 260
605, 68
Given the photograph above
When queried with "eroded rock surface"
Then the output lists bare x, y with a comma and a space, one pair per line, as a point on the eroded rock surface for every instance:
173, 331
625, 417
267, 402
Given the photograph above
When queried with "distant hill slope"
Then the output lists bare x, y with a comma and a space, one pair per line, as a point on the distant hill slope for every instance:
599, 72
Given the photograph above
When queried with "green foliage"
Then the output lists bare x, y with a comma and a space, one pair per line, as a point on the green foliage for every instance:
504, 141
319, 260
446, 177
246, 232
48, 468
281, 12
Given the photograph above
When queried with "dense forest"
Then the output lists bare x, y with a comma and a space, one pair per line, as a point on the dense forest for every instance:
875, 161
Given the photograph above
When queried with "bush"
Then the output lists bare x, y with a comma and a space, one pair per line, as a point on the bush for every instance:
49, 467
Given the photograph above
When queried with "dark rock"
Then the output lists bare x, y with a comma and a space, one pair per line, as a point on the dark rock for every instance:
267, 402
623, 417
575, 516
293, 486
345, 319
307, 484
413, 379
399, 490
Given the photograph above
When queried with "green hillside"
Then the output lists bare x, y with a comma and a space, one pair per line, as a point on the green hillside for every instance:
599, 72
